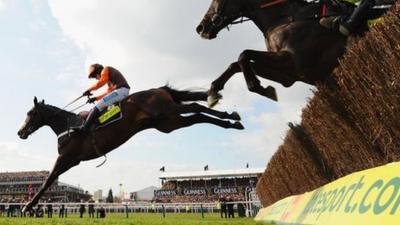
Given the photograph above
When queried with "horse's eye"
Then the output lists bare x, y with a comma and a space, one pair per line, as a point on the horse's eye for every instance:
32, 113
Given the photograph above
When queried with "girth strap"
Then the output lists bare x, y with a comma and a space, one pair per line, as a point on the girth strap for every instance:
99, 153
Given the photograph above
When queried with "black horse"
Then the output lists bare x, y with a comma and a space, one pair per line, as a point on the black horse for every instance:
159, 108
299, 48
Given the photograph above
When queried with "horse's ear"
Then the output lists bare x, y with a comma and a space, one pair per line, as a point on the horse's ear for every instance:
42, 102
35, 101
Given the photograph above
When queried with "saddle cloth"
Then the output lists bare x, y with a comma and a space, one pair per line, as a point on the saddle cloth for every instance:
108, 116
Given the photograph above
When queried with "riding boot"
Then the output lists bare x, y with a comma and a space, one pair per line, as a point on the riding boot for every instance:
93, 114
357, 18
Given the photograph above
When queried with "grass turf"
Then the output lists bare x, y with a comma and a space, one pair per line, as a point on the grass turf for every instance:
134, 219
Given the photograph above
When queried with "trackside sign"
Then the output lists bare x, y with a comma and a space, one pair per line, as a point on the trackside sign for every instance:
370, 197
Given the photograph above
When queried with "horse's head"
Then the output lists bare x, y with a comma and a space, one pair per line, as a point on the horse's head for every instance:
33, 121
220, 14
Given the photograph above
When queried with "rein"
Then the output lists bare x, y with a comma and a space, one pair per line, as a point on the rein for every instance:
73, 110
266, 5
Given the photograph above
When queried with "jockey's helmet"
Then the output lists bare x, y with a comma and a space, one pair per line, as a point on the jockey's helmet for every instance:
95, 69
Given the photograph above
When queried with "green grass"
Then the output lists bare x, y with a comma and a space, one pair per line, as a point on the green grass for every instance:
134, 219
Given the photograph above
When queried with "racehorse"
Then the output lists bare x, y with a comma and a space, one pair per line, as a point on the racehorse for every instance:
159, 108
299, 48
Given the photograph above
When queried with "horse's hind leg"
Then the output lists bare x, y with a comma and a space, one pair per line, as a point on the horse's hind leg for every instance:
62, 164
195, 96
275, 66
196, 108
176, 122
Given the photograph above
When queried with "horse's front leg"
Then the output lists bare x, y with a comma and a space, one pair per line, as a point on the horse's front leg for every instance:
275, 66
220, 82
62, 164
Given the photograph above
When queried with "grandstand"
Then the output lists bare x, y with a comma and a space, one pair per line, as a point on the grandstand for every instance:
21, 186
207, 185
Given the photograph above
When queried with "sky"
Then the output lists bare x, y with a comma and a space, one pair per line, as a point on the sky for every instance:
46, 47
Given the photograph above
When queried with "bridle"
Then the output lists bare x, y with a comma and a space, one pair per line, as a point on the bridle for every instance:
218, 18
34, 125
40, 117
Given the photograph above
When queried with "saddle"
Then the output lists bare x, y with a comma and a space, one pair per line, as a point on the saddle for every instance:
108, 116
323, 8
341, 10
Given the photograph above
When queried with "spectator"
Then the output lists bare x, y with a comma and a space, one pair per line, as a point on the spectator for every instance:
241, 210
188, 209
2, 209
21, 206
230, 205
62, 210
10, 209
39, 211
102, 212
91, 208
82, 209
17, 208
49, 207
223, 207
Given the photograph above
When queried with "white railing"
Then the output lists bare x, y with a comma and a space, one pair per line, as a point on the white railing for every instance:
144, 207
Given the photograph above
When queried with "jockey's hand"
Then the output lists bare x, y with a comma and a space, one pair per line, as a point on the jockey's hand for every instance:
91, 100
87, 93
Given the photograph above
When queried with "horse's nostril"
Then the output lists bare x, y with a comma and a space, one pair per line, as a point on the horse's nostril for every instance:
200, 29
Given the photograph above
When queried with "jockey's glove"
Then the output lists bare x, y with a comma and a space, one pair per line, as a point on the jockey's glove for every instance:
91, 100
87, 93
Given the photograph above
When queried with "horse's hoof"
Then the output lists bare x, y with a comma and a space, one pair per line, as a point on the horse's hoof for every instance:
213, 99
271, 93
238, 125
235, 116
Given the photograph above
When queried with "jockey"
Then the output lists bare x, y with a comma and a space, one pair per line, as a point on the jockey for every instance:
118, 89
347, 25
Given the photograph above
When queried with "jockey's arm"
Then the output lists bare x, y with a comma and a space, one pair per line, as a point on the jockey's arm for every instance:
104, 76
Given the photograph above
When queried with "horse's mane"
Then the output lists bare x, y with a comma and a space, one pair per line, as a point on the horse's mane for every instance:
58, 110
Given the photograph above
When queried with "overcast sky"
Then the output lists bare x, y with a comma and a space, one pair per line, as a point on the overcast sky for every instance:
46, 47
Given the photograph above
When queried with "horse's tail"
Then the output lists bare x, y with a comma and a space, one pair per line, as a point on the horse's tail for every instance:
185, 95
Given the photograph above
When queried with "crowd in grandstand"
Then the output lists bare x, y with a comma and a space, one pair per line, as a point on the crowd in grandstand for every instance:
23, 176
18, 187
198, 198
203, 190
